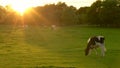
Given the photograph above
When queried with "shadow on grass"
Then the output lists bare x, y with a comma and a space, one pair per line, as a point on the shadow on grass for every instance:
53, 67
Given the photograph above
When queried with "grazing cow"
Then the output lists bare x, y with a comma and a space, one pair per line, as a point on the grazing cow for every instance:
53, 27
95, 42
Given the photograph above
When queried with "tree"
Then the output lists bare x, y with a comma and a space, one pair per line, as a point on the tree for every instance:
82, 15
110, 12
69, 16
106, 12
59, 14
93, 13
2, 14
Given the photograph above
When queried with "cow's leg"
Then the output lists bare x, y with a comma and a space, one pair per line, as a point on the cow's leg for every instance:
102, 50
95, 49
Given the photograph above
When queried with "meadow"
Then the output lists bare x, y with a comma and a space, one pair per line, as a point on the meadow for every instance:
42, 47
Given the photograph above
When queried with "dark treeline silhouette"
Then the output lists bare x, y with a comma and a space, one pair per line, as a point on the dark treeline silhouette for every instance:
100, 13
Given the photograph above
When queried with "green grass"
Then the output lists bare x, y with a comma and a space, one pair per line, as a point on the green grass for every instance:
38, 47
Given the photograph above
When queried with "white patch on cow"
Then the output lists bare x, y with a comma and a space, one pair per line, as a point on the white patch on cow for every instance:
100, 37
99, 44
103, 49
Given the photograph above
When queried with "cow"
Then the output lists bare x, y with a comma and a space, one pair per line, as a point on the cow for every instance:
53, 27
93, 43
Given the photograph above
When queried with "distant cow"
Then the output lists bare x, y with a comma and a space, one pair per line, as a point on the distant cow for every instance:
53, 27
95, 42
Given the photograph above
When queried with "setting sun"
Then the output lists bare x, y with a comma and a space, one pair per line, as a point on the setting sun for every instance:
21, 9
20, 6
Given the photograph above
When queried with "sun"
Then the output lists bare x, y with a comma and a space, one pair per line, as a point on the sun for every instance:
20, 6
20, 9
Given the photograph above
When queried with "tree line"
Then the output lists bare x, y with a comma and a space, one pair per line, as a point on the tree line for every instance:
100, 13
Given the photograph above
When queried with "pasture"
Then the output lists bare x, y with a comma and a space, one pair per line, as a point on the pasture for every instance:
42, 47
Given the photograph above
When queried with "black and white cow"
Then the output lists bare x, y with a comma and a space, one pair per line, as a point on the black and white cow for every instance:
95, 42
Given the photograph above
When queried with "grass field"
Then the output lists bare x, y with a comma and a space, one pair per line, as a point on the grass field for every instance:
42, 47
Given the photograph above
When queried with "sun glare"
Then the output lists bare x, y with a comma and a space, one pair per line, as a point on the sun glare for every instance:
20, 6
20, 9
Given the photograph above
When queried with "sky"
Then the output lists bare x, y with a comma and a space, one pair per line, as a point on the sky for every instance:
75, 3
